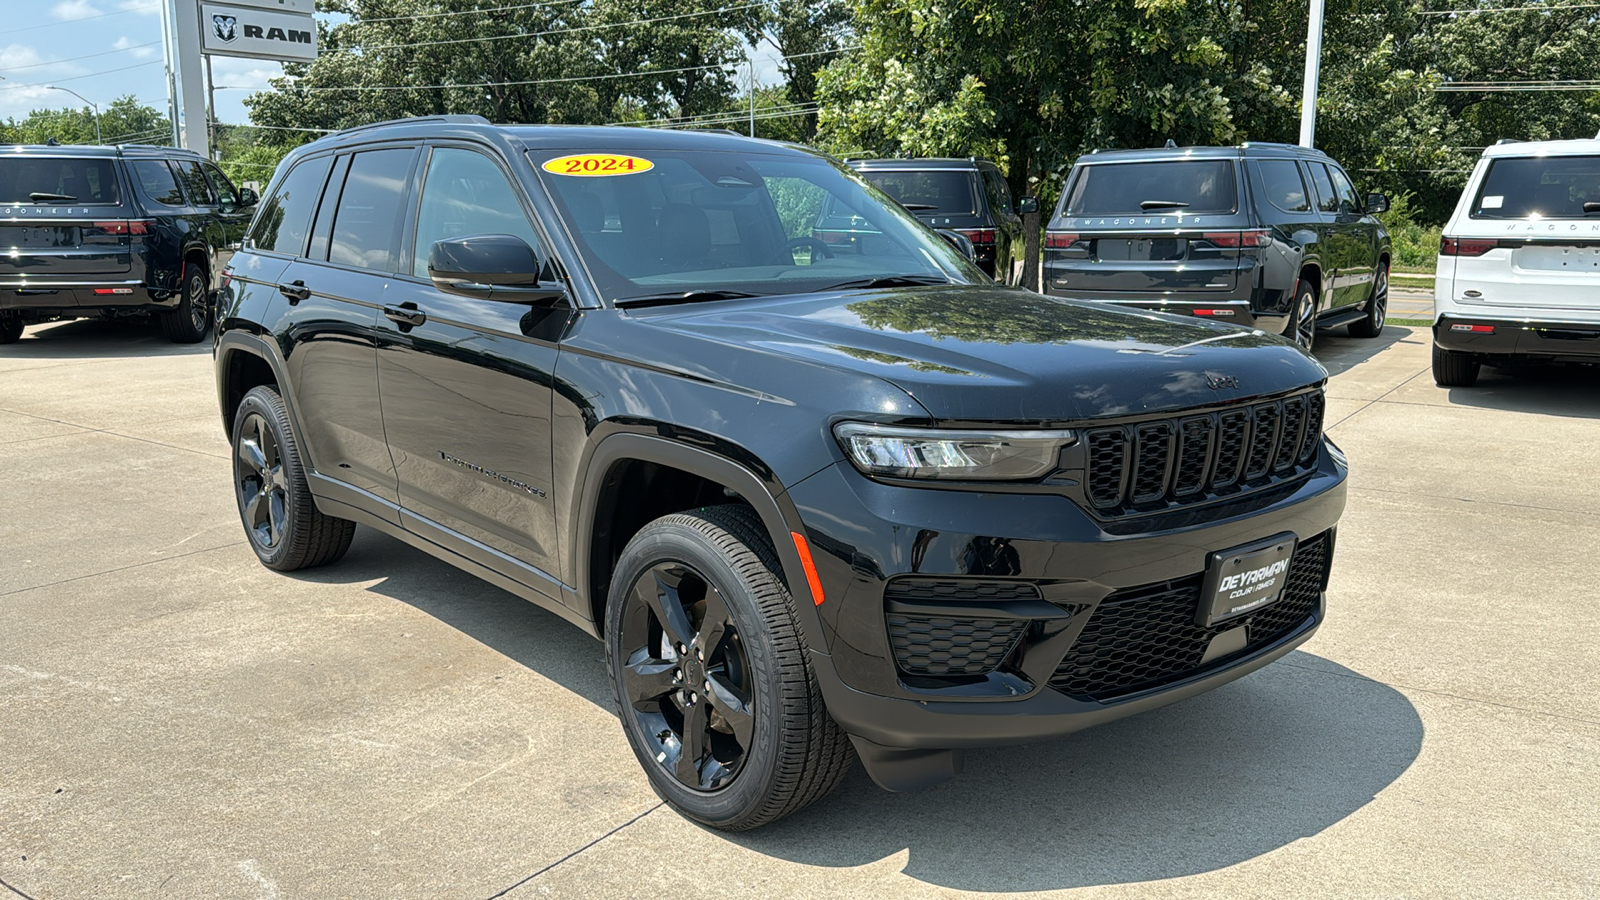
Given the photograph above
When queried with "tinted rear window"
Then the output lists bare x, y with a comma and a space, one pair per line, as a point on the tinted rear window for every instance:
158, 182
285, 217
1550, 187
930, 193
1195, 187
69, 180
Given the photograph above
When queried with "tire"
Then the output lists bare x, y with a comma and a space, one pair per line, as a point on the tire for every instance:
191, 320
1452, 368
1377, 309
280, 517
1302, 325
696, 597
10, 329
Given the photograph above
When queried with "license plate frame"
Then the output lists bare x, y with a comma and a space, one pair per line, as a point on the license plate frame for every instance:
1229, 592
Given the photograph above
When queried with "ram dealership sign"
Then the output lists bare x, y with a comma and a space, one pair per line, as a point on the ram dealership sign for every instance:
259, 29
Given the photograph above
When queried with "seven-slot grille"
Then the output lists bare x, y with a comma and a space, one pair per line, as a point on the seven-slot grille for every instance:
1151, 465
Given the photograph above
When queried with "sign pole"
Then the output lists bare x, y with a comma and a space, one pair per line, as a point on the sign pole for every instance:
1308, 98
191, 80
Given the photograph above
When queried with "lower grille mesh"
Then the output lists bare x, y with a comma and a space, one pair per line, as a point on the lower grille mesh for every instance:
1142, 637
926, 645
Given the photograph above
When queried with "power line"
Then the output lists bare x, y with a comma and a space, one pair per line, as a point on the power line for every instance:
53, 81
1516, 86
534, 34
1500, 9
466, 12
55, 62
120, 12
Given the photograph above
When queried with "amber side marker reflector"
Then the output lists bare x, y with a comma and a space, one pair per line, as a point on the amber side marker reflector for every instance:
804, 550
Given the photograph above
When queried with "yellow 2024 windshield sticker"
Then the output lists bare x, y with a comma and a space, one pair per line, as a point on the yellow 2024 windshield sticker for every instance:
598, 164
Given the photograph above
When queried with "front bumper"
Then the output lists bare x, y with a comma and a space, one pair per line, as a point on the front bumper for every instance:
864, 533
1529, 340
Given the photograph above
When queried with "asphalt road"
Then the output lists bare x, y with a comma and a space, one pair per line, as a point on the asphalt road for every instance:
177, 721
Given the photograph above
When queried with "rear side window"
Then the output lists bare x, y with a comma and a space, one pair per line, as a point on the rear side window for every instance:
194, 182
58, 180
369, 210
1193, 187
157, 181
1549, 187
930, 193
285, 217
1281, 182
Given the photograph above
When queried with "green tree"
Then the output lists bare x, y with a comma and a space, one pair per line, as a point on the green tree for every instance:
122, 121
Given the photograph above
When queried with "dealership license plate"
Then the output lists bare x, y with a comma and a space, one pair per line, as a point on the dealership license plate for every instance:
1245, 579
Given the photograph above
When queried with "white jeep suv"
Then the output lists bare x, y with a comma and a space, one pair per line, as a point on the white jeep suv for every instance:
1519, 264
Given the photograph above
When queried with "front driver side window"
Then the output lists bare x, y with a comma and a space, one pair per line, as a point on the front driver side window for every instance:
466, 193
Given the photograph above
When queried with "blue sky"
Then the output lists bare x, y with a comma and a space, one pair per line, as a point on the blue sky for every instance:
105, 49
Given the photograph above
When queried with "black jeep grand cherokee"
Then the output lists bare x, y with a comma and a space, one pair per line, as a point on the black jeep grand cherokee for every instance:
816, 506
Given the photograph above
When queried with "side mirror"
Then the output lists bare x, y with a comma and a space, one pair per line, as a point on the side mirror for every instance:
1027, 206
1377, 203
489, 267
248, 198
960, 242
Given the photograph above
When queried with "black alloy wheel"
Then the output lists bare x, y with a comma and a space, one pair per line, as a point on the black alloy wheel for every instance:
280, 516
1377, 308
190, 320
712, 677
687, 677
1302, 327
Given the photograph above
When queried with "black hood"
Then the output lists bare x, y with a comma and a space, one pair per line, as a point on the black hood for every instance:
992, 354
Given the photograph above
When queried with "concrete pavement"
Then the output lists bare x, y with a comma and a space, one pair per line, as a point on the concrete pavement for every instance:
177, 721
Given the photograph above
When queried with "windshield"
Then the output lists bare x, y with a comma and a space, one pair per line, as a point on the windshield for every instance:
1192, 187
664, 223
49, 179
1545, 187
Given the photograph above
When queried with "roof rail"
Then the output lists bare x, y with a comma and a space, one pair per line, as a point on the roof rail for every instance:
155, 147
410, 120
1506, 141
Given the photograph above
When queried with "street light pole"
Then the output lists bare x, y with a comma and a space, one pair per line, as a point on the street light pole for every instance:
92, 105
1308, 98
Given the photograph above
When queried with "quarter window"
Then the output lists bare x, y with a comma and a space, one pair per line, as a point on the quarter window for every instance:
369, 209
158, 182
466, 193
285, 217
1280, 179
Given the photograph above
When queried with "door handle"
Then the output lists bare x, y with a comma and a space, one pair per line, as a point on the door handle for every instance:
295, 290
406, 314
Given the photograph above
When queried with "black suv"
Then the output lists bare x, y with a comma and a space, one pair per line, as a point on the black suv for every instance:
1266, 235
967, 196
816, 505
112, 231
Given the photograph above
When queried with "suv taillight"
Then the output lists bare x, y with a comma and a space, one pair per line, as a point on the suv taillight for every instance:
125, 226
1259, 237
1466, 246
977, 235
1059, 240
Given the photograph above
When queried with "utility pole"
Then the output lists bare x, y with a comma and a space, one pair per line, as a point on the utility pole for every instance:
1308, 98
211, 113
752, 63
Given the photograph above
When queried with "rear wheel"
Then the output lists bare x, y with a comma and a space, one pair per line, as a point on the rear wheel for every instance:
10, 328
1302, 325
1452, 368
711, 673
280, 516
189, 322
1377, 309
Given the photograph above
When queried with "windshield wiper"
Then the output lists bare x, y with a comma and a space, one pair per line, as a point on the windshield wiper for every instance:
1591, 206
36, 196
1161, 204
918, 206
683, 297
884, 281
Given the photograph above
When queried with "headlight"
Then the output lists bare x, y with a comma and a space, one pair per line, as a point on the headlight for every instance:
952, 455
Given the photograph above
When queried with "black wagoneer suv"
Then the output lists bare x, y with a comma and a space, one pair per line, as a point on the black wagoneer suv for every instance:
817, 506
1269, 235
111, 231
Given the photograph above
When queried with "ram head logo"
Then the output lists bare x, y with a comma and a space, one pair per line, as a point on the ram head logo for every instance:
225, 28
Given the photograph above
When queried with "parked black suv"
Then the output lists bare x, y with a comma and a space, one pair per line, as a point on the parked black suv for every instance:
816, 505
1269, 235
113, 231
967, 196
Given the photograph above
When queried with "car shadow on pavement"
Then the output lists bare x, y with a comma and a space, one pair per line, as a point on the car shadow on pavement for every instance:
1551, 390
98, 339
1208, 783
1339, 353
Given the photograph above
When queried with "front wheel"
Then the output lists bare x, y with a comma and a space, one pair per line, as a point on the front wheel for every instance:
712, 676
191, 320
1377, 309
281, 519
1452, 368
